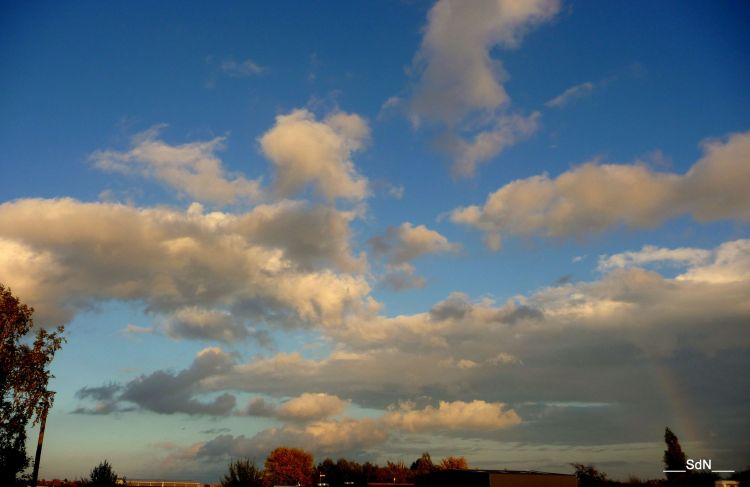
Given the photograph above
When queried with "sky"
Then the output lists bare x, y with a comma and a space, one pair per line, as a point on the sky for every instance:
515, 231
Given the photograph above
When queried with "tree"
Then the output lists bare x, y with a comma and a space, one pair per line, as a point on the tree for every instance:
674, 458
422, 465
394, 472
349, 471
23, 381
454, 463
588, 476
288, 466
102, 476
243, 473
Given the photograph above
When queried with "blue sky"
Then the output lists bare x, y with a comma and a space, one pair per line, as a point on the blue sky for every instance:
513, 231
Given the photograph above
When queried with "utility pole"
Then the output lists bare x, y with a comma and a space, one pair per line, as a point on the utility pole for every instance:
39, 447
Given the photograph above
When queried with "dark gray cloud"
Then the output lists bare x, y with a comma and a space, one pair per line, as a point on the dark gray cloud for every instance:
101, 393
259, 407
166, 392
455, 307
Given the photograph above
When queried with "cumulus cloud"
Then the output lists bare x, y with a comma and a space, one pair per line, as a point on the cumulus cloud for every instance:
166, 392
63, 256
672, 314
344, 437
404, 243
311, 406
460, 85
729, 263
407, 242
193, 168
574, 342
206, 324
571, 94
594, 197
457, 415
259, 407
307, 152
305, 407
456, 72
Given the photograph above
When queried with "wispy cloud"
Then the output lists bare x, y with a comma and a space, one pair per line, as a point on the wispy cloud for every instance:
242, 69
193, 169
131, 329
573, 93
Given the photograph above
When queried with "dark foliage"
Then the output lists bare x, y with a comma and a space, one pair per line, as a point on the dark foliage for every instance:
102, 476
243, 473
588, 476
24, 377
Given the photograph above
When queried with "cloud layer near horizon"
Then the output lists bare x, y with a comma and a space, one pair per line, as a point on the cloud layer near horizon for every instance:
516, 363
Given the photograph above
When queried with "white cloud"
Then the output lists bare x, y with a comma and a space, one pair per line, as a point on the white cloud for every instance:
306, 151
460, 85
729, 263
457, 75
311, 406
571, 94
594, 197
457, 415
343, 437
62, 256
193, 169
407, 242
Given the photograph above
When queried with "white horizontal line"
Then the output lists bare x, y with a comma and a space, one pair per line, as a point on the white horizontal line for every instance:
723, 471
674, 471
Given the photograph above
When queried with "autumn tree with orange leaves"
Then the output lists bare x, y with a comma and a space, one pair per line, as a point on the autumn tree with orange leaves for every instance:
24, 375
454, 463
288, 466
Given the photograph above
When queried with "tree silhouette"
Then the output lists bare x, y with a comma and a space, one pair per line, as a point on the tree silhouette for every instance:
674, 458
588, 476
395, 472
23, 381
102, 476
243, 473
422, 465
288, 466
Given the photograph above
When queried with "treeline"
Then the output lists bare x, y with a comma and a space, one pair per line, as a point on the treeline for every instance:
292, 466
